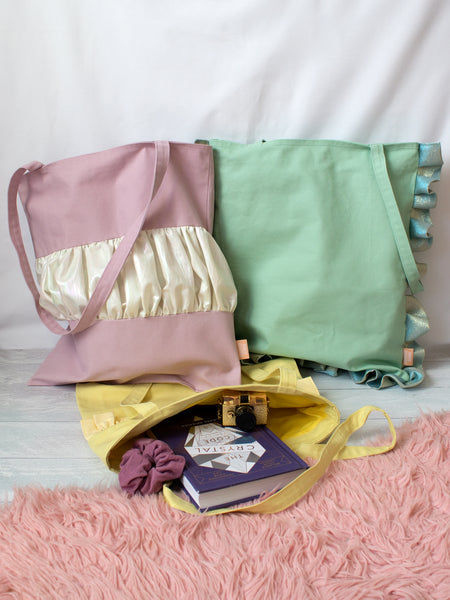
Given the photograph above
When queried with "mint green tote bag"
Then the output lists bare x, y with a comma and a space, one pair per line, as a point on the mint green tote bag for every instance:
319, 236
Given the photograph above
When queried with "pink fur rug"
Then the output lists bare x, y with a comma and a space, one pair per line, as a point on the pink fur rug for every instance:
373, 528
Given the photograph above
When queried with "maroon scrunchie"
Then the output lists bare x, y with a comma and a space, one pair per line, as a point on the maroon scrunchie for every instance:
148, 465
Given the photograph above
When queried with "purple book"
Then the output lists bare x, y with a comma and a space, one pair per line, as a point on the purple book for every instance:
225, 465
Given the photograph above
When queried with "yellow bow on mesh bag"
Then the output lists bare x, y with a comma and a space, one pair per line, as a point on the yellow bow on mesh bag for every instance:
113, 416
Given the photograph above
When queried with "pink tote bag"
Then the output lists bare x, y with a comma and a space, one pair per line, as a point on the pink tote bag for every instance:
128, 273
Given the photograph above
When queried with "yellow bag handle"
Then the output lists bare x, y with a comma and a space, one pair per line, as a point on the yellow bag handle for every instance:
335, 448
285, 369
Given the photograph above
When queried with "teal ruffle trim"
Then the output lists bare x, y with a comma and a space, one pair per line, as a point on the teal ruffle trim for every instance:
430, 164
429, 170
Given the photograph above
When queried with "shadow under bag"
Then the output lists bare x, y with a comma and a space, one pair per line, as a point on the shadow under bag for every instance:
319, 236
125, 255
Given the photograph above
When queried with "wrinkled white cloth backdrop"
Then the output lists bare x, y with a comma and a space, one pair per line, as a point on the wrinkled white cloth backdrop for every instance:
79, 76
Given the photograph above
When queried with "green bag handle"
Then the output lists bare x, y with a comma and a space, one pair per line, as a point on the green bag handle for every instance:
300, 486
395, 219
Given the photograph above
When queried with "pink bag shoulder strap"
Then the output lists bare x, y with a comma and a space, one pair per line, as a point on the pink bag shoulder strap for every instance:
112, 270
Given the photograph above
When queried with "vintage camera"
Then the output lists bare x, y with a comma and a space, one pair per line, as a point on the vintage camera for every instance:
244, 411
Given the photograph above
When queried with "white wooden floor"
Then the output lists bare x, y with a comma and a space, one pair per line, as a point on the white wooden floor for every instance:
41, 440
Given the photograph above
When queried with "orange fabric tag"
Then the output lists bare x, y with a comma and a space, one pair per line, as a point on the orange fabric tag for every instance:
242, 347
408, 357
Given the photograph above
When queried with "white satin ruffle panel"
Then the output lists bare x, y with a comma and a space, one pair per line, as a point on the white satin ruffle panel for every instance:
169, 271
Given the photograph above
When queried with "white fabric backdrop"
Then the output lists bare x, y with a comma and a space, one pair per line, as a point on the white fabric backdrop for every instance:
79, 76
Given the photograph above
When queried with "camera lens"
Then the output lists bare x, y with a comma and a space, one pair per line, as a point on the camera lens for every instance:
245, 418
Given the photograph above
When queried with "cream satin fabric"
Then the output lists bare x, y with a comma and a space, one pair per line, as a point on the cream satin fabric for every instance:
169, 271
